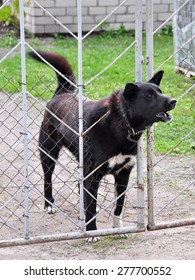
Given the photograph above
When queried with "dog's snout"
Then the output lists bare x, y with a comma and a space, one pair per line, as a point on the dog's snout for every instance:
173, 102
170, 103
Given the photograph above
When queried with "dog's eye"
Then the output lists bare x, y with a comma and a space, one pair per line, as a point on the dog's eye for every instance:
150, 94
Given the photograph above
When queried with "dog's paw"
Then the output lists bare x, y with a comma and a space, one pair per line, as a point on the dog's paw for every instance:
122, 236
118, 223
93, 239
50, 209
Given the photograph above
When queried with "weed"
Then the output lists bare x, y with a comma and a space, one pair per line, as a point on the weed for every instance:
167, 30
10, 39
110, 242
8, 16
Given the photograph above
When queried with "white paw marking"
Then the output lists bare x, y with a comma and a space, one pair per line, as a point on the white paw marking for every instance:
121, 236
51, 210
93, 239
118, 223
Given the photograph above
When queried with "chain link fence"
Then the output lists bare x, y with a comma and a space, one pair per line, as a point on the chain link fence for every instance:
171, 176
22, 195
22, 215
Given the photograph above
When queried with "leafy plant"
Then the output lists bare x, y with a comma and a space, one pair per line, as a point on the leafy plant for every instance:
9, 40
168, 30
112, 33
9, 15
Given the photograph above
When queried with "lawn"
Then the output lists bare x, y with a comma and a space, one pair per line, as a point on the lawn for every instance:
98, 52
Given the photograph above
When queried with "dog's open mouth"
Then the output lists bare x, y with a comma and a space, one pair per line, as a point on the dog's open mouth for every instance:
164, 117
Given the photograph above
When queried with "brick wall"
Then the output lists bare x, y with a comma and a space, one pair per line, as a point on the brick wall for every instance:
37, 20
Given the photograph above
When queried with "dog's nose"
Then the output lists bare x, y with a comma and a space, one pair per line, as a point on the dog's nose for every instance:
173, 102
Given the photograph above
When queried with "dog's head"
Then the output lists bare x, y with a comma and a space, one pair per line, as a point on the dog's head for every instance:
145, 101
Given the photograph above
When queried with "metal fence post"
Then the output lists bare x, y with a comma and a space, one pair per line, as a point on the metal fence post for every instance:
80, 87
139, 61
24, 114
150, 132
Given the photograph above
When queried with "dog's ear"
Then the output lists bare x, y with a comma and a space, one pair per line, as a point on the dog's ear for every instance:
130, 91
156, 79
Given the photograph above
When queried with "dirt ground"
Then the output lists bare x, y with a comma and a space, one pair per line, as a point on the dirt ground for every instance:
172, 176
173, 244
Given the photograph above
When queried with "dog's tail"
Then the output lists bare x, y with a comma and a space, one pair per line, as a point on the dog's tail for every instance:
62, 65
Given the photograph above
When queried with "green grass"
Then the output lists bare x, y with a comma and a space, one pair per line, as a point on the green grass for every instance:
98, 52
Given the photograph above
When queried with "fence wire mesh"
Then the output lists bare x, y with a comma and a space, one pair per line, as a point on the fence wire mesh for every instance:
13, 206
174, 175
65, 180
174, 172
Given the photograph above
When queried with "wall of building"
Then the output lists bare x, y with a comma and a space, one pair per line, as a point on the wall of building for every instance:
39, 22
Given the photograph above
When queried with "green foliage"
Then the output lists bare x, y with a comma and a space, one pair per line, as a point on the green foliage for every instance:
167, 30
9, 15
113, 33
9, 40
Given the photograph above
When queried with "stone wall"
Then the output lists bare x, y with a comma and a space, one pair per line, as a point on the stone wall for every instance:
39, 22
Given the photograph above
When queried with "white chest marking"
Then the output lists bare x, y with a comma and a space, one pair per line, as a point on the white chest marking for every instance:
121, 161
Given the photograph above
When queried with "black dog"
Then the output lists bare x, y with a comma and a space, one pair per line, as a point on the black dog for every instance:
111, 143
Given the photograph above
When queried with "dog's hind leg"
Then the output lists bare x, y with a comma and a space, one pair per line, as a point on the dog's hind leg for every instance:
49, 151
121, 181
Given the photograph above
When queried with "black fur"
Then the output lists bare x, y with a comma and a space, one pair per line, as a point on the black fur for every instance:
129, 112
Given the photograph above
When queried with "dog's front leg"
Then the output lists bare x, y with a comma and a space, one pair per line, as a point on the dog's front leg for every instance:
90, 198
121, 182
